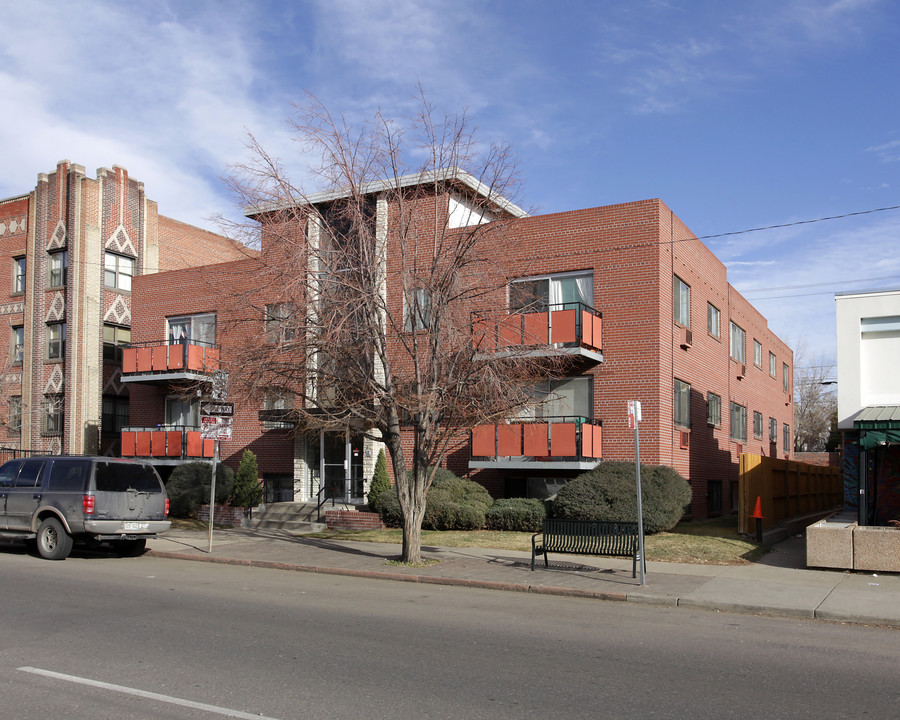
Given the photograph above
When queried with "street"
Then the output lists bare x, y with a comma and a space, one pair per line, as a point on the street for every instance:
98, 636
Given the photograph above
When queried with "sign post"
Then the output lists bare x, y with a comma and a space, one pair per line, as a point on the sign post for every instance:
215, 422
634, 419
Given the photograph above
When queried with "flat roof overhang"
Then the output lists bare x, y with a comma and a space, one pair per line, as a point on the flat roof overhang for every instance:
526, 464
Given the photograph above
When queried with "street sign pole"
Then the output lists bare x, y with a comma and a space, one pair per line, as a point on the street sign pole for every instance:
212, 491
634, 419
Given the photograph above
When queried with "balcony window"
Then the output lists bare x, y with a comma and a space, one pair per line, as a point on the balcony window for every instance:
56, 341
738, 337
197, 329
182, 412
59, 266
713, 320
114, 337
556, 292
118, 271
18, 275
681, 298
682, 409
738, 422
570, 397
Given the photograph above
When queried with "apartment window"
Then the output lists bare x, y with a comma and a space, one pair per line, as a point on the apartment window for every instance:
773, 430
785, 377
59, 267
115, 414
568, 398
772, 364
197, 329
737, 343
681, 299
114, 337
15, 413
713, 320
275, 400
280, 324
757, 424
118, 271
416, 310
19, 275
713, 409
786, 437
738, 422
182, 412
53, 414
17, 350
56, 341
757, 353
551, 292
682, 412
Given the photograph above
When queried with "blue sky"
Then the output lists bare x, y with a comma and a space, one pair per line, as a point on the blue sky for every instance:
736, 114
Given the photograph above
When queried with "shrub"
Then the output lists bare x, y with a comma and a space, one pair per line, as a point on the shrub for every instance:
452, 504
247, 490
389, 508
608, 493
188, 487
381, 481
516, 514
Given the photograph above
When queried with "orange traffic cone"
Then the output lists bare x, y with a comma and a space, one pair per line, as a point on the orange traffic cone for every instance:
757, 512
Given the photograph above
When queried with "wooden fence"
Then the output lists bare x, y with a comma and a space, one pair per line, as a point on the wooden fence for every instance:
786, 489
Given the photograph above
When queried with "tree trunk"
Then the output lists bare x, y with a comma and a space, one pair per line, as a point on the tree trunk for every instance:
412, 535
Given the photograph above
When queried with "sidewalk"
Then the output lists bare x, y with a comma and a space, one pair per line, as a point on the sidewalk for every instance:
778, 585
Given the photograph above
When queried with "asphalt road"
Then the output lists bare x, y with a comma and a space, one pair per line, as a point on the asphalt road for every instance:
101, 637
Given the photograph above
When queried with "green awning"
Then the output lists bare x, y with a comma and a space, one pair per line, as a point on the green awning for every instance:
878, 425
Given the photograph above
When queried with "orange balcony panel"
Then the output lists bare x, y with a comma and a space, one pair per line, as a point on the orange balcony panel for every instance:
537, 329
142, 443
173, 443
158, 443
211, 359
144, 359
597, 432
160, 357
591, 440
483, 441
483, 335
563, 322
129, 360
536, 441
194, 357
128, 443
510, 331
562, 440
509, 440
209, 447
194, 444
597, 332
176, 357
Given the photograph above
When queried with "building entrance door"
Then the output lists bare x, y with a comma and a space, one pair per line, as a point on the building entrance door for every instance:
341, 464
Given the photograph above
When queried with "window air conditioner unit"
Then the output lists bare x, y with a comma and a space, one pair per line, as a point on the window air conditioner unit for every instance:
685, 440
687, 338
742, 371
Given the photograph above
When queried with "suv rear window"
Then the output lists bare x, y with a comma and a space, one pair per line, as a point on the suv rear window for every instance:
119, 477
69, 475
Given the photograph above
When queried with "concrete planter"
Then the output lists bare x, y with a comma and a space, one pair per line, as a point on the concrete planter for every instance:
847, 546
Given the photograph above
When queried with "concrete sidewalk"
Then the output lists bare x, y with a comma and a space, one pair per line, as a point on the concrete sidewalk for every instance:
778, 585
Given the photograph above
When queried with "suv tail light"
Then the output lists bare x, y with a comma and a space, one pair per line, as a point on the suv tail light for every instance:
167, 508
87, 504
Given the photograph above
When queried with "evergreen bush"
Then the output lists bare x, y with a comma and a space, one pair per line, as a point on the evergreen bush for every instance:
516, 515
247, 489
188, 487
608, 492
381, 481
453, 503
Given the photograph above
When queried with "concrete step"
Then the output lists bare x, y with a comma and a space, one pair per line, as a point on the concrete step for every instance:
291, 527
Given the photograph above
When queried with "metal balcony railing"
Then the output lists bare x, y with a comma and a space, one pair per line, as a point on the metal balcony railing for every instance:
156, 358
166, 441
565, 325
552, 439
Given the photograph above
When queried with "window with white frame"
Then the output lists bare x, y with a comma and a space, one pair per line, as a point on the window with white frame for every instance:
56, 341
118, 271
18, 275
58, 264
738, 422
738, 337
416, 310
757, 353
551, 292
114, 338
785, 377
786, 439
53, 414
681, 301
17, 351
772, 364
682, 408
713, 409
197, 329
713, 320
757, 424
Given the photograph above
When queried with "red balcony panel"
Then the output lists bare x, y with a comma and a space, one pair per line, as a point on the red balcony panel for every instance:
160, 359
591, 441
597, 332
597, 432
173, 443
563, 322
194, 357
128, 443
176, 357
194, 444
562, 440
158, 443
537, 328
129, 360
536, 440
483, 441
209, 447
142, 443
509, 440
144, 363
211, 359
510, 331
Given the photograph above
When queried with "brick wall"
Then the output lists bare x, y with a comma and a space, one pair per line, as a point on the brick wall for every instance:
223, 515
352, 520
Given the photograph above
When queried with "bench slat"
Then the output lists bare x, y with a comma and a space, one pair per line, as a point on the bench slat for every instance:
587, 537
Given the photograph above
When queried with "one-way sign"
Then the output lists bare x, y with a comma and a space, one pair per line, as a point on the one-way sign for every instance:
217, 409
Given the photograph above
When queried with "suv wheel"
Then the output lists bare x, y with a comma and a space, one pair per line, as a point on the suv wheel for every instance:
53, 542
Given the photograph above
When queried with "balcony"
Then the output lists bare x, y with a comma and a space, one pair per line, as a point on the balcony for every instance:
555, 443
162, 362
166, 445
572, 329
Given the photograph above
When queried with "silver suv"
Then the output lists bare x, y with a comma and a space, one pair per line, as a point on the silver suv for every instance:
55, 500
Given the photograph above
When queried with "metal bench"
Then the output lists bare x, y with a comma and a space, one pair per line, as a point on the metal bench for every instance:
587, 537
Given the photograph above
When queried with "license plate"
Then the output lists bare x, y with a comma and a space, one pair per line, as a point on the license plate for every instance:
131, 526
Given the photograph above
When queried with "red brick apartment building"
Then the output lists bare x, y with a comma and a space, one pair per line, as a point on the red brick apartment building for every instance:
72, 247
642, 308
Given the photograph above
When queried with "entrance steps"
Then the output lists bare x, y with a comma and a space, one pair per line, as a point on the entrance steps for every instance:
294, 518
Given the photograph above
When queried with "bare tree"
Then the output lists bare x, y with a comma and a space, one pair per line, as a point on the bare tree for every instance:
369, 290
815, 404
